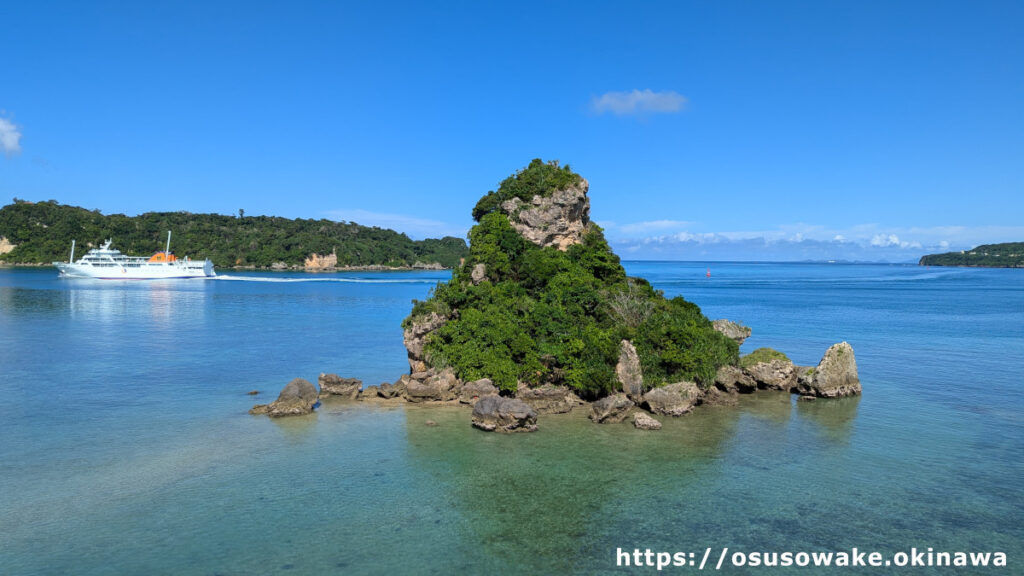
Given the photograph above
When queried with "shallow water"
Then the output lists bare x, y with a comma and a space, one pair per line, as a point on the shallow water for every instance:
125, 447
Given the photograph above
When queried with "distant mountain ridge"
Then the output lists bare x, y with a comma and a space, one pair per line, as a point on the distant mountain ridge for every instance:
41, 232
1005, 255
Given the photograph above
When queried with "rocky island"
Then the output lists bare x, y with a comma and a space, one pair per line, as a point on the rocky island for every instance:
540, 318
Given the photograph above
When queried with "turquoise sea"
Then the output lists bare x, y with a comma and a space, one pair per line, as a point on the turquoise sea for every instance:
125, 446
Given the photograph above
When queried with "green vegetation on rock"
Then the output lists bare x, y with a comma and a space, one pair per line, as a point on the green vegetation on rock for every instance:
539, 178
537, 315
42, 233
1007, 255
762, 355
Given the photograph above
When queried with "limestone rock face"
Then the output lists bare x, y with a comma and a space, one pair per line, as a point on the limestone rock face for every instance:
317, 262
494, 413
549, 399
673, 399
628, 371
479, 273
393, 390
611, 409
645, 422
6, 246
804, 377
716, 397
337, 386
297, 398
558, 220
774, 375
472, 392
434, 387
414, 337
733, 330
835, 376
369, 393
734, 379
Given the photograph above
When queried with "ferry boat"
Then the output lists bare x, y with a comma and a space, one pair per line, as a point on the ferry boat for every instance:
107, 263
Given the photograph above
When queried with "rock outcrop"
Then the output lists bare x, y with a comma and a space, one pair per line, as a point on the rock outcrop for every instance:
628, 371
498, 414
672, 399
414, 337
337, 386
471, 392
645, 422
733, 379
737, 332
432, 386
714, 396
773, 375
395, 390
6, 246
549, 399
611, 409
369, 393
835, 376
558, 220
479, 273
316, 262
298, 397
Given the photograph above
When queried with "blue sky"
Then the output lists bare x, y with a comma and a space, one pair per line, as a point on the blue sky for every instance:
707, 130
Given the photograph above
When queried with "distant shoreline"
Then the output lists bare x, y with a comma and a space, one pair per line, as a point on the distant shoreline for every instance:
367, 268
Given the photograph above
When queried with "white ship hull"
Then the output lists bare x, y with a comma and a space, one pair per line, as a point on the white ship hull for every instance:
141, 271
106, 263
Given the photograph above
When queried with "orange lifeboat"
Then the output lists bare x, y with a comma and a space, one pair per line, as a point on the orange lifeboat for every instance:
163, 257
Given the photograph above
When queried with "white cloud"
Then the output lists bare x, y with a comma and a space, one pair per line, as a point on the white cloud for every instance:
638, 102
653, 225
884, 241
411, 225
10, 137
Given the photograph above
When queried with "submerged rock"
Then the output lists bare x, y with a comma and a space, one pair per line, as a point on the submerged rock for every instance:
338, 386
835, 376
645, 422
611, 409
498, 414
549, 399
730, 329
473, 391
672, 399
298, 397
628, 370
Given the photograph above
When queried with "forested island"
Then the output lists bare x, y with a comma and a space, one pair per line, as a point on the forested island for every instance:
541, 318
1006, 255
41, 232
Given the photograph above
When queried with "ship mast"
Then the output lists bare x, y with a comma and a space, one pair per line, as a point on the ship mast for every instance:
168, 250
72, 250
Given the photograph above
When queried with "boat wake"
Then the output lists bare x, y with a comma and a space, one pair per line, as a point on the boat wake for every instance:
330, 279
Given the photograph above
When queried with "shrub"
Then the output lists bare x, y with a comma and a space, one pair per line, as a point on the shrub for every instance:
762, 355
547, 316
